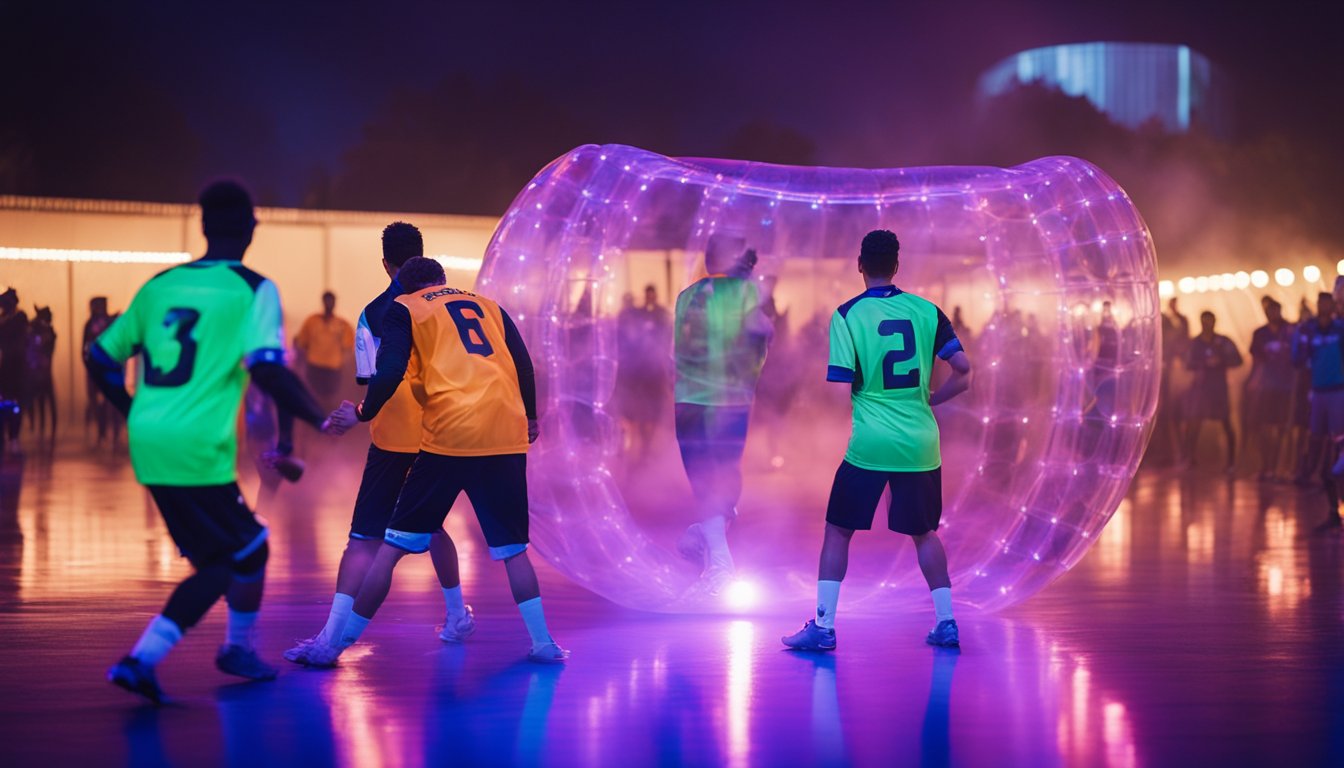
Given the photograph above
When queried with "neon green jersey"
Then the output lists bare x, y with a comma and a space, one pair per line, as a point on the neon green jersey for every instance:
884, 342
719, 354
194, 328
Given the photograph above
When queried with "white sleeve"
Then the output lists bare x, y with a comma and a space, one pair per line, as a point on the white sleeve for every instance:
366, 351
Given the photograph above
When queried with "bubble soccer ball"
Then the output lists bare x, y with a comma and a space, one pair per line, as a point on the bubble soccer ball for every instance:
1046, 268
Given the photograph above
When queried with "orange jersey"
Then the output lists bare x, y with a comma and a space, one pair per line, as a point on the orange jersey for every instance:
465, 379
397, 426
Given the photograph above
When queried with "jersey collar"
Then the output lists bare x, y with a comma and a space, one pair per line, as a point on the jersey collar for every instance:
883, 291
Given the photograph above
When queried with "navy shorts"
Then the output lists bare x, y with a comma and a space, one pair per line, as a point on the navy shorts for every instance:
916, 499
495, 485
384, 475
711, 439
209, 523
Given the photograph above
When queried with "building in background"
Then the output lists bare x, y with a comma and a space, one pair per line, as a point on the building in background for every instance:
1132, 83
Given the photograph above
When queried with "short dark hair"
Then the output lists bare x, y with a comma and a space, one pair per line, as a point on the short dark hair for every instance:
226, 210
402, 241
1325, 295
418, 273
1208, 314
880, 253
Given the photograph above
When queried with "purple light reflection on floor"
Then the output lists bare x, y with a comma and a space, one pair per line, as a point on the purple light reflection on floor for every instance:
1202, 629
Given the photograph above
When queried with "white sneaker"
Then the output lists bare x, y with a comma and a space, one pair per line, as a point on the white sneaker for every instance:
692, 544
321, 654
456, 632
550, 653
300, 650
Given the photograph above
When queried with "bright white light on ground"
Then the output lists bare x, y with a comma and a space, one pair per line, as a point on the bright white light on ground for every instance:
1311, 273
1260, 278
1284, 276
742, 595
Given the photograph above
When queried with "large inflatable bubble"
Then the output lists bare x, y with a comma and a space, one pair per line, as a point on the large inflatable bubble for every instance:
1046, 269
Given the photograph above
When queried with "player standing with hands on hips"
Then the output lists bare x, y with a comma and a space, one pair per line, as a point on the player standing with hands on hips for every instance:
883, 344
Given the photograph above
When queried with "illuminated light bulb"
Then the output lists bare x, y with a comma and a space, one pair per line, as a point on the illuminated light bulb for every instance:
1284, 276
1166, 289
1202, 284
1260, 278
1311, 273
1243, 280
1227, 281
1339, 266
1186, 284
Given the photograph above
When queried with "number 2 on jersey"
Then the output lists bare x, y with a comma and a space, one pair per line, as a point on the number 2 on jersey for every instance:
185, 320
890, 379
469, 329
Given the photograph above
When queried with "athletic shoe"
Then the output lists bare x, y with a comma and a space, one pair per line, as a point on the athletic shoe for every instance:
550, 653
297, 653
459, 630
944, 635
811, 638
243, 662
719, 573
321, 654
137, 677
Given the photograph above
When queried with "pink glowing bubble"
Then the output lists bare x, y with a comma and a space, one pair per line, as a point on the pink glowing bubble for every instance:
1049, 262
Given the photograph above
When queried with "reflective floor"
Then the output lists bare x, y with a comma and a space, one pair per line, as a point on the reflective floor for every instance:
1206, 627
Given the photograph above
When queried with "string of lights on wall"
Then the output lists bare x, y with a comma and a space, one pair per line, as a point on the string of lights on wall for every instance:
1239, 281
97, 257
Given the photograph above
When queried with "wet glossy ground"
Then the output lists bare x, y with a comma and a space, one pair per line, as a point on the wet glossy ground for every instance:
1206, 627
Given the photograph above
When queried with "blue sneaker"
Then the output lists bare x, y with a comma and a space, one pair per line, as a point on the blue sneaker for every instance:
944, 635
811, 638
243, 662
137, 677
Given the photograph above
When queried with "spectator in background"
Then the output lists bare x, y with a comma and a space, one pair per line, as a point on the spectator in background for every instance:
96, 408
1209, 357
1269, 387
1317, 345
644, 351
13, 366
41, 387
323, 343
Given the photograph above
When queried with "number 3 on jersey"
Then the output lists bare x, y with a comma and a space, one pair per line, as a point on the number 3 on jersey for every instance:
890, 378
469, 329
185, 320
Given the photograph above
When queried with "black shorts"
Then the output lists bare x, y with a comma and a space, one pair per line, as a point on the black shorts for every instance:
712, 439
384, 475
209, 523
496, 486
916, 499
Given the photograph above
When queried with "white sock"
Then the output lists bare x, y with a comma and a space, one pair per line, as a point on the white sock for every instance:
942, 603
354, 627
535, 621
828, 595
341, 604
157, 640
239, 630
452, 600
716, 536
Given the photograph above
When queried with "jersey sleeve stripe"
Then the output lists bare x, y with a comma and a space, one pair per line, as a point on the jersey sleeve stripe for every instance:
273, 355
950, 348
840, 374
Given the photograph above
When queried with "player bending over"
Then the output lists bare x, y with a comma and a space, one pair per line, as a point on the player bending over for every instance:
475, 383
396, 435
192, 327
883, 344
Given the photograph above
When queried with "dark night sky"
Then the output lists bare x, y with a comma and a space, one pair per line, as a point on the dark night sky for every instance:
277, 91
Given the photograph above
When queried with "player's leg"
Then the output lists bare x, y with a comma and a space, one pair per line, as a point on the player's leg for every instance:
852, 505
427, 495
458, 621
1332, 470
193, 518
1230, 436
916, 510
726, 433
384, 474
238, 656
497, 487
